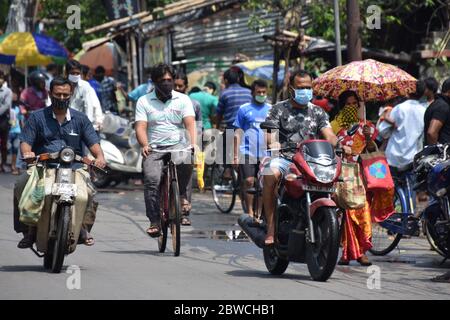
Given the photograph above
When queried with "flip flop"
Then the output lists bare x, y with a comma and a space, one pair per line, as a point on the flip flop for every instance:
443, 278
86, 238
156, 233
185, 221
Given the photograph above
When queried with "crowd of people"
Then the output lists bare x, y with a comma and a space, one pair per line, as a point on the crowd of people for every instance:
164, 107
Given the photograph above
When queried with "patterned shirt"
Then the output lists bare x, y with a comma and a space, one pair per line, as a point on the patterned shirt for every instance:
231, 100
297, 124
107, 92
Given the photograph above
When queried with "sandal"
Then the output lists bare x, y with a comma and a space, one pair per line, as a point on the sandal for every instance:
25, 243
443, 278
185, 206
269, 241
15, 172
86, 238
156, 231
185, 221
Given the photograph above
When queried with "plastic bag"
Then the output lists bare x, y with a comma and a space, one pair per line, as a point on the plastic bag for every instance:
33, 196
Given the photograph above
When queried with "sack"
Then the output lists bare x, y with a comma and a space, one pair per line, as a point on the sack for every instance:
33, 196
200, 165
376, 173
350, 193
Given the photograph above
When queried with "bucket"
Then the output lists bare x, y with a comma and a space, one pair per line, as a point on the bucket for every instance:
114, 124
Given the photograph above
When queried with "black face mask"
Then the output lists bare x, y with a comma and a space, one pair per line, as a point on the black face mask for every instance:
165, 90
60, 104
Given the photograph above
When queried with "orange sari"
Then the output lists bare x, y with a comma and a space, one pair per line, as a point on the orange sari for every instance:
357, 229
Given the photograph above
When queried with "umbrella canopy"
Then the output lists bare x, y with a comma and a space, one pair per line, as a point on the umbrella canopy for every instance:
30, 49
261, 69
102, 55
370, 79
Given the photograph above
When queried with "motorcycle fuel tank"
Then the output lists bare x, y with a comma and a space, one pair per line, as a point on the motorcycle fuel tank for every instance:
439, 177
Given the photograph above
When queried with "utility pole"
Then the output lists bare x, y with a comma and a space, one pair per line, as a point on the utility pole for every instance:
337, 33
354, 52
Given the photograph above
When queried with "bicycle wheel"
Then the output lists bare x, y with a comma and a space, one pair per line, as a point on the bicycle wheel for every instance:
384, 241
175, 217
162, 239
223, 189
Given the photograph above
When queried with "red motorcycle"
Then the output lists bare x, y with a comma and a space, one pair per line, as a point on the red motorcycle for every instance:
306, 223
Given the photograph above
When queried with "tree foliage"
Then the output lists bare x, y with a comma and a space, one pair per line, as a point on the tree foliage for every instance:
92, 13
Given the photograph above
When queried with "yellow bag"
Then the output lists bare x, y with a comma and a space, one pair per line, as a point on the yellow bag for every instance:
32, 198
351, 193
200, 165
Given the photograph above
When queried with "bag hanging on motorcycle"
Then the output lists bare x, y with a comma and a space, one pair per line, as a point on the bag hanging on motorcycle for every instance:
376, 173
351, 193
33, 196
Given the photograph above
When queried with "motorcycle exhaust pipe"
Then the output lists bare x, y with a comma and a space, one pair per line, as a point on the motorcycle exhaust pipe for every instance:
255, 231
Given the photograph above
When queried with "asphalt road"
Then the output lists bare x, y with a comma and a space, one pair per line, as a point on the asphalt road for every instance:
215, 262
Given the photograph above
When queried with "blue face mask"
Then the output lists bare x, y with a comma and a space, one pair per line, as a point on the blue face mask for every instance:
303, 96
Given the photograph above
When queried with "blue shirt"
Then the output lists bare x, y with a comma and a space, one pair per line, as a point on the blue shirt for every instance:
229, 102
44, 133
249, 118
96, 86
140, 91
15, 118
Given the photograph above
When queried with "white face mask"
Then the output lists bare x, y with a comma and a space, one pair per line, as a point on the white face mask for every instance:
74, 79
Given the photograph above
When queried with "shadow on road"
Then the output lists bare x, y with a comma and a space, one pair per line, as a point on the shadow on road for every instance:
25, 268
266, 275
143, 252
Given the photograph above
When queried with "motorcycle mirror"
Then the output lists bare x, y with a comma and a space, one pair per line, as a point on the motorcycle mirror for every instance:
268, 125
353, 130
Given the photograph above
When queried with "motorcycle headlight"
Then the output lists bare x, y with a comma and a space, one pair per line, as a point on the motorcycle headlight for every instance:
324, 174
67, 155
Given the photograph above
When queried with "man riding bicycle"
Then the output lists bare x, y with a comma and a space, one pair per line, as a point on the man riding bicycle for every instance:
160, 118
296, 118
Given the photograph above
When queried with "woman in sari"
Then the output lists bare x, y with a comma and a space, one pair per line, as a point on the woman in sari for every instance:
356, 237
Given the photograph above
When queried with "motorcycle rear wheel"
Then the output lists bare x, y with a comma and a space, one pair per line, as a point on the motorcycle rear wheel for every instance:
430, 234
321, 257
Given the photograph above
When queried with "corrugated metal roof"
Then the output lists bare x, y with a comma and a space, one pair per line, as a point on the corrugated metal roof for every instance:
224, 36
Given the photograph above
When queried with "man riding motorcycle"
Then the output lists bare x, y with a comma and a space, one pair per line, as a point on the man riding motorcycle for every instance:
297, 119
47, 131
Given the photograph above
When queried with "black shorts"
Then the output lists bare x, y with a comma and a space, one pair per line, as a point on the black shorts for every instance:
248, 170
248, 167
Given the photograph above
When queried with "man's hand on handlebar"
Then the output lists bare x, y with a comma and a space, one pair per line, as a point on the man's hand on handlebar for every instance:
29, 155
100, 162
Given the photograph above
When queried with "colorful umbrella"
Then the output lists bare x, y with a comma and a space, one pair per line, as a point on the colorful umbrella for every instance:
261, 69
30, 49
370, 79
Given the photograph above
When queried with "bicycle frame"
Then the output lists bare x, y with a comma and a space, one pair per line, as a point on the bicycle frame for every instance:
403, 190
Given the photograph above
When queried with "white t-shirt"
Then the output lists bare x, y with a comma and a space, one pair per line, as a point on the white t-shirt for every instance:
406, 139
84, 99
165, 120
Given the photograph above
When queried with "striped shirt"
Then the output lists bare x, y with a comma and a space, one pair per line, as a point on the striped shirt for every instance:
229, 102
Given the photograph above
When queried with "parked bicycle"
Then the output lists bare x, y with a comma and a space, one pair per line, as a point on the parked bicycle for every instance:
430, 167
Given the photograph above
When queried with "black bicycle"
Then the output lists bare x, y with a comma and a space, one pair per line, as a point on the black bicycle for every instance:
170, 213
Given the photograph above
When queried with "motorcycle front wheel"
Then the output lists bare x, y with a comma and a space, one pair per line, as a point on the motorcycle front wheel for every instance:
61, 242
321, 256
274, 264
